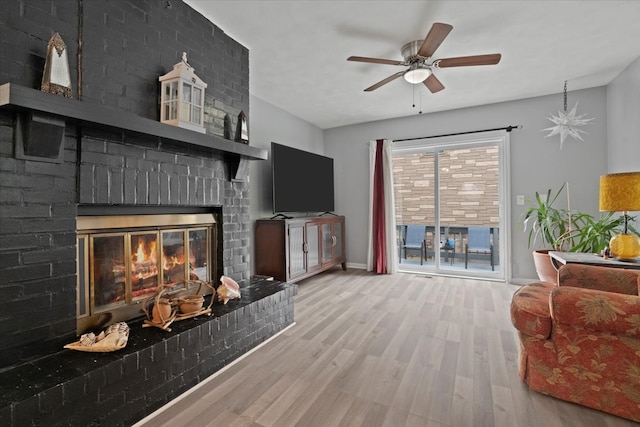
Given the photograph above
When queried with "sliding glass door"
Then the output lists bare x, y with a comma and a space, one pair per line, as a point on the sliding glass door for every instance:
450, 204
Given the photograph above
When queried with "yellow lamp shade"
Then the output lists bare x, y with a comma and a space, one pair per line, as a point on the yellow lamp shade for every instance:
620, 192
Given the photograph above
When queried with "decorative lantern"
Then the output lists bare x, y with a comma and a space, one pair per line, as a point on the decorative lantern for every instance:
182, 97
242, 133
56, 78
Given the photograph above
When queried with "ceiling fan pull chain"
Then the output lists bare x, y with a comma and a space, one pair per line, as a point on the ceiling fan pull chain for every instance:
414, 96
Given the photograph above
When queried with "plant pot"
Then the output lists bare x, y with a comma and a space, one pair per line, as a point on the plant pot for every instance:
544, 267
191, 304
161, 310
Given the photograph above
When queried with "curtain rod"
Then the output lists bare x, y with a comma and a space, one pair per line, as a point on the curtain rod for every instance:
507, 128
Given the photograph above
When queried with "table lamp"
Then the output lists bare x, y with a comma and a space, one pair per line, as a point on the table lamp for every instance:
621, 192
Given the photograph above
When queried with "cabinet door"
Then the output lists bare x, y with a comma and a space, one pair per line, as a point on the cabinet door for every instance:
338, 247
313, 246
297, 250
333, 241
327, 242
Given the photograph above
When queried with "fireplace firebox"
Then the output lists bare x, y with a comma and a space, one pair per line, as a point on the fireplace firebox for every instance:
124, 258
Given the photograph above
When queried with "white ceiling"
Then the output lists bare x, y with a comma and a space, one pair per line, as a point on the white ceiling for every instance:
298, 51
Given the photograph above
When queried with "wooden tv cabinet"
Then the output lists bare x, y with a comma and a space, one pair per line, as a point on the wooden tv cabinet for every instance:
296, 248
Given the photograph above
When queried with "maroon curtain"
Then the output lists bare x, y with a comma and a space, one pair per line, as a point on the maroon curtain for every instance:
378, 232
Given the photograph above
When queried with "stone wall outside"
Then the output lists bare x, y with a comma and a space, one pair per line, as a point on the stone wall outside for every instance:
469, 181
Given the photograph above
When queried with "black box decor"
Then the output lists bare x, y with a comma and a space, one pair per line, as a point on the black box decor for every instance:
39, 137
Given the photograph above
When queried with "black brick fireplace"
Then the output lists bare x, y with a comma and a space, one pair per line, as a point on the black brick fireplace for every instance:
116, 153
116, 157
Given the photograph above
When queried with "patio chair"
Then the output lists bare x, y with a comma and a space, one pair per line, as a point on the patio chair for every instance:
478, 242
448, 247
414, 240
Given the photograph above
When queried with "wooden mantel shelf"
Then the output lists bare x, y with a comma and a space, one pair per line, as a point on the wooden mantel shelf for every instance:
26, 99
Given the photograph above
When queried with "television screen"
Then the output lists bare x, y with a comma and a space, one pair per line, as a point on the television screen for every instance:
302, 181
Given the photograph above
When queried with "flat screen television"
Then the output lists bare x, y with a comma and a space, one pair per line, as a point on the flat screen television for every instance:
302, 181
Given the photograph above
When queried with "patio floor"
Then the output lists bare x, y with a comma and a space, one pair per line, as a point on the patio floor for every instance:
481, 266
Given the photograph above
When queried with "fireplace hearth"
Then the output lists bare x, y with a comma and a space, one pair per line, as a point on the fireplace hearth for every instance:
117, 389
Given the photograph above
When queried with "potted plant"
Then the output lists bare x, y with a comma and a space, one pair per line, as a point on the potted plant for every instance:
561, 229
592, 235
545, 222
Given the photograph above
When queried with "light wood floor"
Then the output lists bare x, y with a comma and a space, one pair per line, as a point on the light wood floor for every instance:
368, 350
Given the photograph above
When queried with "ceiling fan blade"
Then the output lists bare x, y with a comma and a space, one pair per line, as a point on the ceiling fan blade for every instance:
385, 81
433, 84
436, 35
374, 60
466, 61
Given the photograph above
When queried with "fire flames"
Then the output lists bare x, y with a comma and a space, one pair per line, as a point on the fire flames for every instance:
144, 260
145, 269
141, 255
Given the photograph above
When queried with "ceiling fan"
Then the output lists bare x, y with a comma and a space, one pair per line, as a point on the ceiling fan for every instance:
417, 56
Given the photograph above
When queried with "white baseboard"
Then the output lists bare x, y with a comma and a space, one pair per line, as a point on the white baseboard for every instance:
356, 265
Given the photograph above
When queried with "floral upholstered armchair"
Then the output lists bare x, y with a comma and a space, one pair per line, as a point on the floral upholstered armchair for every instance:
580, 340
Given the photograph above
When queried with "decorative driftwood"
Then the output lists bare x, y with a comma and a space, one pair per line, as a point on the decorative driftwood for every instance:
114, 338
175, 302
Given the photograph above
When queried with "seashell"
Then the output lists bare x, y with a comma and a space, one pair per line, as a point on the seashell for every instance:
113, 338
88, 339
118, 327
229, 289
110, 340
117, 335
122, 340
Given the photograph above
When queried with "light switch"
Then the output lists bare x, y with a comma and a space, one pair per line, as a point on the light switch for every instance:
520, 199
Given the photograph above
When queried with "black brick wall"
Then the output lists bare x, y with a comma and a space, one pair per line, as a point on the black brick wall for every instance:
126, 45
136, 171
37, 251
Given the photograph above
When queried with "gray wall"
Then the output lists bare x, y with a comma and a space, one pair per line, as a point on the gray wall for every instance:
537, 163
623, 124
271, 124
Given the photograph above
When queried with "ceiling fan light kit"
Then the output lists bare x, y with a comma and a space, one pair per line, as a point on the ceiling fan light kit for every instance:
417, 74
417, 56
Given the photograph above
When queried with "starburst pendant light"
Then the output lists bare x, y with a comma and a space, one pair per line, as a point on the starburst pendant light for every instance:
566, 124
